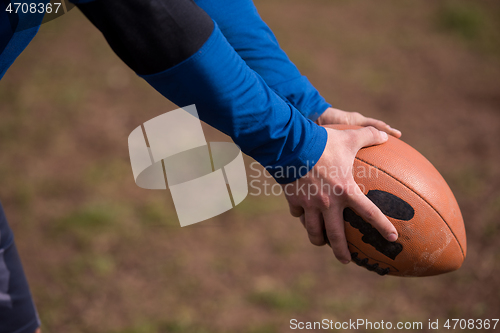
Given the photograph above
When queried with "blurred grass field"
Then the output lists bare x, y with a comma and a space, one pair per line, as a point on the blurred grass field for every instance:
104, 256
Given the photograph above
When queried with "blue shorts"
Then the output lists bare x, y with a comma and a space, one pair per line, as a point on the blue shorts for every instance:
17, 310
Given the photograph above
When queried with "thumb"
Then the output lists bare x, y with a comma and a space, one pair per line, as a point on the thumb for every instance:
369, 136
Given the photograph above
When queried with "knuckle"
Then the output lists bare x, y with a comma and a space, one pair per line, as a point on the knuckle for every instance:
317, 201
373, 130
347, 118
351, 136
308, 204
293, 201
371, 213
318, 241
335, 235
323, 202
295, 209
314, 232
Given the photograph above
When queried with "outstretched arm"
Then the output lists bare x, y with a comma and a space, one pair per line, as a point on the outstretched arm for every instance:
236, 100
177, 48
254, 41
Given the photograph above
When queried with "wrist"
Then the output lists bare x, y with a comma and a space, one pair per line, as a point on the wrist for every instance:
290, 170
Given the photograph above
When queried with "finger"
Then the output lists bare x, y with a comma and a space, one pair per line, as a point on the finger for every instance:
380, 125
296, 211
315, 226
369, 212
369, 136
394, 132
335, 231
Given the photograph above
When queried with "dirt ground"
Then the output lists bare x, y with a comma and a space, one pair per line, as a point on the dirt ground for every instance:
104, 256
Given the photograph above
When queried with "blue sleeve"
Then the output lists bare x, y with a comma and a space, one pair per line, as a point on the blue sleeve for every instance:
254, 41
234, 99
16, 32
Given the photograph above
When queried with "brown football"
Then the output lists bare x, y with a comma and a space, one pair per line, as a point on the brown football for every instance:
416, 199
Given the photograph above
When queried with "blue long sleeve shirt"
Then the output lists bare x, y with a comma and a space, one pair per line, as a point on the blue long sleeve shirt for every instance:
16, 32
256, 44
243, 84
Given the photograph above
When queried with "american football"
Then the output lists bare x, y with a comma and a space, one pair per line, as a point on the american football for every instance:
413, 195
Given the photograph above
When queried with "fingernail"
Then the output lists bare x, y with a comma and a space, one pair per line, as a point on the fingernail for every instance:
384, 135
345, 262
394, 129
392, 237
